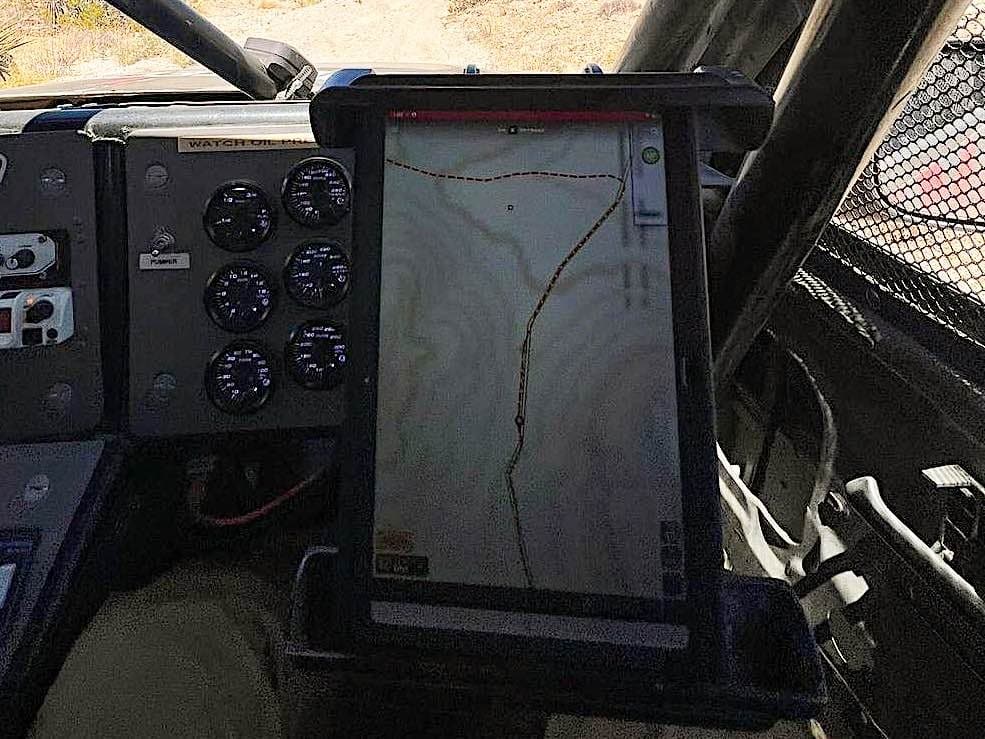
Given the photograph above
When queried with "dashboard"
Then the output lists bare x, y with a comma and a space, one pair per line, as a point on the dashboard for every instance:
192, 269
235, 240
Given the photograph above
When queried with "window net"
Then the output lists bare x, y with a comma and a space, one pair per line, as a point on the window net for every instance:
914, 223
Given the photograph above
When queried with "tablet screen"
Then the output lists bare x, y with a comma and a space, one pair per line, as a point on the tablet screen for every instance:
527, 430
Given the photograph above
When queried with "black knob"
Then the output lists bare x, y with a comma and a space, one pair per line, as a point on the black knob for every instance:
21, 259
40, 311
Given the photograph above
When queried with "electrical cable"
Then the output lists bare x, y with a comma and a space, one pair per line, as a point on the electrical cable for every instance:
779, 389
829, 436
197, 492
877, 171
864, 712
827, 451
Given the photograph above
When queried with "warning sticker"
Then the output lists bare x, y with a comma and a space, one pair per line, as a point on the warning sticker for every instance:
401, 565
198, 145
169, 260
394, 555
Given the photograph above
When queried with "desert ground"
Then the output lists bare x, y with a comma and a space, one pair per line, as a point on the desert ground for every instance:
63, 39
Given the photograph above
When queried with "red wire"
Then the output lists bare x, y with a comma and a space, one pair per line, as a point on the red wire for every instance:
198, 493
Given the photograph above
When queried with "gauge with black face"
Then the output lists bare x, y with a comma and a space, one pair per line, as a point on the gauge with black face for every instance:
238, 217
239, 379
317, 274
316, 355
316, 192
239, 296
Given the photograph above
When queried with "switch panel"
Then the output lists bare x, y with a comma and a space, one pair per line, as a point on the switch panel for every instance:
51, 378
35, 317
26, 255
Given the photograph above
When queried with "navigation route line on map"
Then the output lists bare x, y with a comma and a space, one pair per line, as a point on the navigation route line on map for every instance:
525, 349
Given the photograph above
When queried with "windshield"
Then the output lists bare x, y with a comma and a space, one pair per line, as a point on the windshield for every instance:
65, 41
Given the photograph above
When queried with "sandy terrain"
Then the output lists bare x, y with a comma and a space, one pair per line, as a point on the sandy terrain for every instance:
548, 35
508, 35
367, 31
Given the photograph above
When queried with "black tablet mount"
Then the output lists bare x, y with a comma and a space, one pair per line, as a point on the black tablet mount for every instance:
751, 657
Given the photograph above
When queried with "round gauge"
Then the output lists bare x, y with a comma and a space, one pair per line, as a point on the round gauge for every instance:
239, 378
317, 274
316, 355
316, 192
239, 296
238, 217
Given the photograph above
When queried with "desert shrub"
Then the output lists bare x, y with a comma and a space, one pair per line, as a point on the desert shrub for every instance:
138, 44
89, 14
10, 39
457, 6
618, 7
48, 57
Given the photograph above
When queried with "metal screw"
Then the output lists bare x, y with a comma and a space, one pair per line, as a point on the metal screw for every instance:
36, 488
58, 399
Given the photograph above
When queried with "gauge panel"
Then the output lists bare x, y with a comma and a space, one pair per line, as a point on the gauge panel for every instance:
219, 278
317, 274
239, 296
316, 355
238, 217
317, 192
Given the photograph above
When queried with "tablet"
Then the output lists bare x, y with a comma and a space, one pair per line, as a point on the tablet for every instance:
531, 428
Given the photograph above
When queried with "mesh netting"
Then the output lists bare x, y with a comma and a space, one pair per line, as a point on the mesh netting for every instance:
914, 223
817, 289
